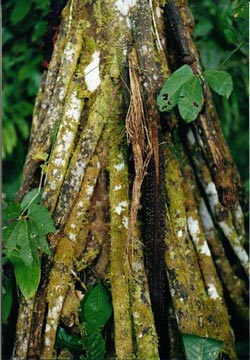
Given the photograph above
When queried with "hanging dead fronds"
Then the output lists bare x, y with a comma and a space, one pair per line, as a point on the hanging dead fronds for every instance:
138, 136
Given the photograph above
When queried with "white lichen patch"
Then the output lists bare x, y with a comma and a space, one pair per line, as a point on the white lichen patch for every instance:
117, 187
53, 185
212, 292
120, 166
158, 11
89, 190
92, 72
238, 213
123, 6
144, 49
205, 216
121, 207
193, 228
225, 228
72, 236
190, 137
212, 194
125, 221
180, 233
205, 249
59, 162
242, 256
47, 339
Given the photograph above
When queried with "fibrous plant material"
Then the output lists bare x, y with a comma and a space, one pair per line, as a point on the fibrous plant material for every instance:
134, 194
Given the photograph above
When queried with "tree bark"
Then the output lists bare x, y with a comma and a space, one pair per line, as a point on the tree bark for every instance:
147, 210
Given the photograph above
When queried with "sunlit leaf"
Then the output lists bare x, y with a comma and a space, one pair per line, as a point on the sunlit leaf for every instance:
170, 92
190, 100
220, 81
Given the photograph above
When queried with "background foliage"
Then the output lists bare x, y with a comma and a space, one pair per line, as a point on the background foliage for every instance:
24, 26
221, 28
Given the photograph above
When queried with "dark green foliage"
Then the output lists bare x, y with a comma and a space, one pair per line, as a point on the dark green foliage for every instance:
95, 311
24, 26
24, 237
221, 35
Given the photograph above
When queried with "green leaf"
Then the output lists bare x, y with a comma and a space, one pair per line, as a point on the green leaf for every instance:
41, 216
23, 242
199, 348
240, 9
27, 277
7, 300
12, 211
169, 94
220, 81
190, 99
21, 9
16, 238
72, 342
39, 237
10, 235
33, 194
203, 27
96, 308
94, 343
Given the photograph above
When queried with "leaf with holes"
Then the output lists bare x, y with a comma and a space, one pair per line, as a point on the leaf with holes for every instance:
199, 348
220, 81
96, 309
170, 92
190, 100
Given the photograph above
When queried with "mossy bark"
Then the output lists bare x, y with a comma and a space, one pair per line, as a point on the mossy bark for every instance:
143, 210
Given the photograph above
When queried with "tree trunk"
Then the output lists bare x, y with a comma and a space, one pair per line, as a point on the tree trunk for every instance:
139, 196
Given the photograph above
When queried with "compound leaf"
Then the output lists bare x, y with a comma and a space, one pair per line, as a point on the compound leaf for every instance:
190, 100
39, 237
33, 194
23, 242
12, 211
41, 216
10, 234
27, 277
220, 81
199, 348
170, 91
